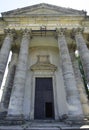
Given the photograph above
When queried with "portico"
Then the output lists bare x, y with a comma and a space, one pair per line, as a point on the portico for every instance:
42, 82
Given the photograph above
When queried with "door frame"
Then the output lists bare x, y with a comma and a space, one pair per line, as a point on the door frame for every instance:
45, 100
38, 74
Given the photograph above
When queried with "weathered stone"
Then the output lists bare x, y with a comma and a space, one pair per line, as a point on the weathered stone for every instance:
84, 53
9, 83
42, 56
16, 100
80, 85
69, 79
4, 54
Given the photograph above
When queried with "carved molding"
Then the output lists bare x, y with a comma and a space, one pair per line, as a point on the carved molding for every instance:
61, 31
44, 9
77, 30
10, 32
43, 63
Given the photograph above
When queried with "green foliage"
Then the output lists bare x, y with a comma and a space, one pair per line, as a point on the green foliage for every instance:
83, 75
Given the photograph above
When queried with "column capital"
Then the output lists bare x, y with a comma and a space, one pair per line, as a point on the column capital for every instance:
61, 31
10, 32
26, 32
77, 30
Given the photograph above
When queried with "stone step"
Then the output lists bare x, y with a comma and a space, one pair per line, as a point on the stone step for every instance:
50, 128
42, 125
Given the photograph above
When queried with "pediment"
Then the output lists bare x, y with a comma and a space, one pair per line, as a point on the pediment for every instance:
43, 9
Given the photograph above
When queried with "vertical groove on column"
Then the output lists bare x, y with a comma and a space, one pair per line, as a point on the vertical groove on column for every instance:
4, 54
9, 83
74, 104
17, 96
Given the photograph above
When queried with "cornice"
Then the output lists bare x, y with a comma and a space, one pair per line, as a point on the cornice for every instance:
32, 11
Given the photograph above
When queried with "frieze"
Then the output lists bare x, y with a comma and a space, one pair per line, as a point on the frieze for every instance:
34, 25
38, 26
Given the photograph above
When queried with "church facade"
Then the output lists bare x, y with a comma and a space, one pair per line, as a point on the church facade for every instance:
44, 79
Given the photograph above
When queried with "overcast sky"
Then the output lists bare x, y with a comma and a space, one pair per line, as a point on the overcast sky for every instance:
6, 5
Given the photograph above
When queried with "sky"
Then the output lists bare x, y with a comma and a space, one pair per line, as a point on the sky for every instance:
7, 5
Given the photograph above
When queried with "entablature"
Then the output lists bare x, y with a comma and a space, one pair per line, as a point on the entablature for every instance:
44, 37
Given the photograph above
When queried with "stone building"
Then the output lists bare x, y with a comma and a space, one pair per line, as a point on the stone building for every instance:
44, 80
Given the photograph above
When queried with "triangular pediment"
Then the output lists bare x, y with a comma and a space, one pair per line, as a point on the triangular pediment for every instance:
43, 9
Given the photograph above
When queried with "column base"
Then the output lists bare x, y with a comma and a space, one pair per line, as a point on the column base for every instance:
14, 119
3, 115
75, 120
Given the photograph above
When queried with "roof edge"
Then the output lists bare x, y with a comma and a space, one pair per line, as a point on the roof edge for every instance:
6, 13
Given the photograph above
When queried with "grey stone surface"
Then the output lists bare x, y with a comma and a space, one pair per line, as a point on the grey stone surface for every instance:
84, 53
16, 100
43, 19
9, 83
45, 125
73, 100
44, 10
4, 53
80, 84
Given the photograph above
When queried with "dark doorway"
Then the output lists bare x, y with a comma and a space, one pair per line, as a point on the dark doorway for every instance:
44, 107
48, 110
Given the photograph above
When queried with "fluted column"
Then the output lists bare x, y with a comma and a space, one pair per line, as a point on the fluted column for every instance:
83, 52
9, 83
74, 104
15, 109
4, 53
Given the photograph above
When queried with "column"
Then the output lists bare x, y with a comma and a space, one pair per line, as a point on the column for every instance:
15, 109
9, 83
83, 52
4, 53
74, 105
80, 85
